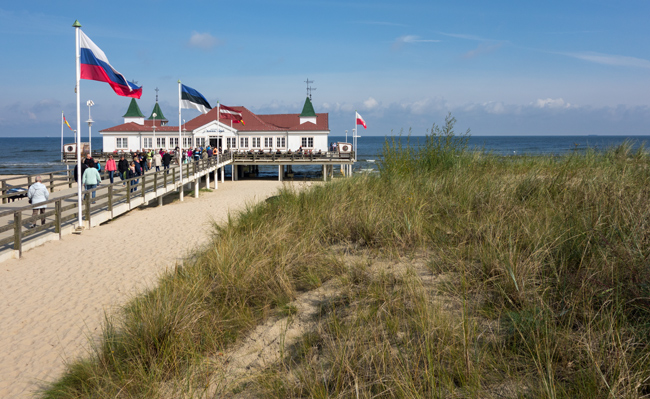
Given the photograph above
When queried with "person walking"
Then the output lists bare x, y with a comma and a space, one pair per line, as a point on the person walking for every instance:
91, 179
138, 166
131, 173
157, 161
83, 169
166, 160
111, 167
122, 167
89, 160
38, 193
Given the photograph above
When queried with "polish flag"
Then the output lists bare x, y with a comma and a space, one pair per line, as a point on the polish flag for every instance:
360, 121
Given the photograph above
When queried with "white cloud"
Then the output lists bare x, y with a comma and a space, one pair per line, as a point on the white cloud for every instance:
203, 41
607, 59
409, 39
468, 37
370, 103
482, 49
425, 106
495, 107
556, 103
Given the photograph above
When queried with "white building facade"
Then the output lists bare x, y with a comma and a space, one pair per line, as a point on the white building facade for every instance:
268, 133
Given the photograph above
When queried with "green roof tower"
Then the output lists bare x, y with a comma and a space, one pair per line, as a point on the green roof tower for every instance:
308, 109
133, 111
158, 112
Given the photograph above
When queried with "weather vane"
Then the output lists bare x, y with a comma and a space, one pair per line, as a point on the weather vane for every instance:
309, 88
156, 94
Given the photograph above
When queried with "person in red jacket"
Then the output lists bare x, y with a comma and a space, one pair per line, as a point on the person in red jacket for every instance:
111, 167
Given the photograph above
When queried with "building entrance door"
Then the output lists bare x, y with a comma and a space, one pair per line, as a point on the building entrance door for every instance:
215, 142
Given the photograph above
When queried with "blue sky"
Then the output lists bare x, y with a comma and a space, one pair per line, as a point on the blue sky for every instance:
500, 67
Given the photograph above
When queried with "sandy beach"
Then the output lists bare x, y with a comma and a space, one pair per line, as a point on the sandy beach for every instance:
54, 298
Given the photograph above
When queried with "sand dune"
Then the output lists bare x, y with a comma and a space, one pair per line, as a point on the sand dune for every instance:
54, 297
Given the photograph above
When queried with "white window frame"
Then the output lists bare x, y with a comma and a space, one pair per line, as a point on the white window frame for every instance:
147, 142
281, 142
256, 142
200, 141
160, 142
243, 142
306, 141
268, 142
231, 142
187, 142
121, 142
173, 142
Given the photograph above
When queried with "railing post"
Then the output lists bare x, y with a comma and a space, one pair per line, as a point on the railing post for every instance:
110, 199
87, 201
165, 173
4, 191
57, 217
18, 232
70, 174
29, 181
155, 182
51, 182
128, 192
143, 184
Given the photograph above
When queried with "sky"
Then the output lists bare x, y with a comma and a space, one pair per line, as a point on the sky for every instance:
500, 67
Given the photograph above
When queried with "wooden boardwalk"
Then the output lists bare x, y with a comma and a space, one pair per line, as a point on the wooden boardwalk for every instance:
111, 200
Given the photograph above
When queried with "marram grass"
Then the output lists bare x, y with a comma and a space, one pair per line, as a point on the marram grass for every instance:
535, 283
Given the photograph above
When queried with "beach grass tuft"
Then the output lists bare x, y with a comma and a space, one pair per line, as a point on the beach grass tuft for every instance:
481, 276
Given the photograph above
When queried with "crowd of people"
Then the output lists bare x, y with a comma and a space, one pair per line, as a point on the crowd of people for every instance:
139, 163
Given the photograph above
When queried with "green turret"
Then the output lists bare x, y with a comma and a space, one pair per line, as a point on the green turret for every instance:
134, 110
308, 109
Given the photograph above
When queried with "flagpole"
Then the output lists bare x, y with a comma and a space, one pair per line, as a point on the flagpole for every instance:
354, 136
61, 136
77, 27
180, 150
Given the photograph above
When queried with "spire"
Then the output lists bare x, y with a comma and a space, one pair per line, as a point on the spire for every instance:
158, 112
308, 109
133, 111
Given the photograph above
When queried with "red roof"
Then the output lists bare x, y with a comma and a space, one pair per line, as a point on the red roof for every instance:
254, 123
134, 127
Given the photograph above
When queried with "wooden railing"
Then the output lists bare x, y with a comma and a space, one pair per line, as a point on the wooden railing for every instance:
107, 197
294, 156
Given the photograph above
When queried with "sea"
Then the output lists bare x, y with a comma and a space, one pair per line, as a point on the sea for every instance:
32, 155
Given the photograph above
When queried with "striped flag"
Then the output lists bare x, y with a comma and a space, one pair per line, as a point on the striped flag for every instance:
95, 66
360, 121
230, 113
66, 122
191, 98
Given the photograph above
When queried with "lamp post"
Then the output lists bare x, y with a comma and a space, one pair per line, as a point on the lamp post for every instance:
153, 143
90, 121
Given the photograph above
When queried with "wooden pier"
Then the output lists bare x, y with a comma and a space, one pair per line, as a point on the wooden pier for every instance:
111, 200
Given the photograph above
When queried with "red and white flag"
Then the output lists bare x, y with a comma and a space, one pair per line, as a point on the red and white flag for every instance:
230, 113
360, 121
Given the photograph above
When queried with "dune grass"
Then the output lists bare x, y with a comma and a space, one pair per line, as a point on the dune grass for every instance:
539, 284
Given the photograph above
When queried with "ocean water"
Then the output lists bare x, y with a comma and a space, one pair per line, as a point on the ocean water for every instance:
33, 155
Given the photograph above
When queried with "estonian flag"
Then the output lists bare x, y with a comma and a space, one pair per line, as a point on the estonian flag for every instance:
191, 98
95, 66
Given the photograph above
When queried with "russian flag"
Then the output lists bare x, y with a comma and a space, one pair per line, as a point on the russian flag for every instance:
95, 66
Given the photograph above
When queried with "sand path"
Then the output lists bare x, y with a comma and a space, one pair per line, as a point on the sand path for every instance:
54, 297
